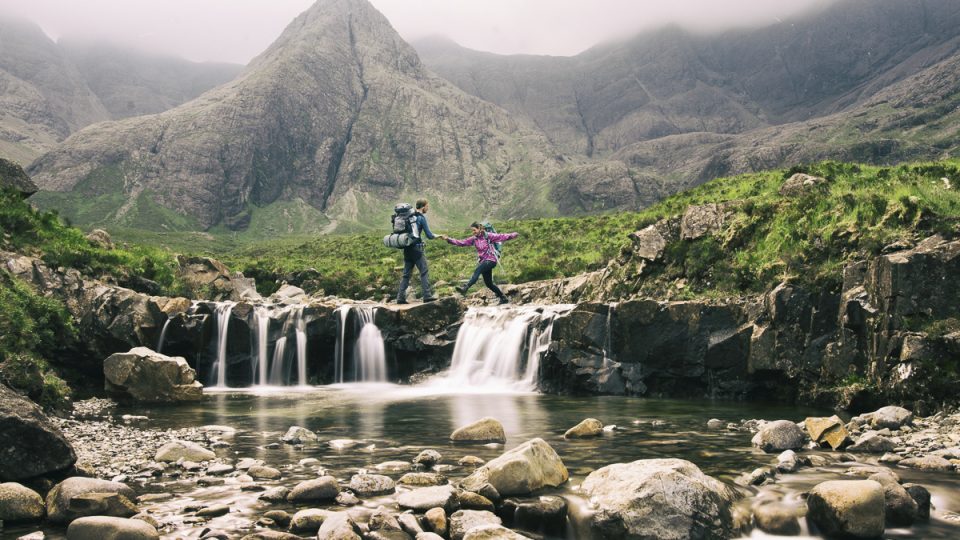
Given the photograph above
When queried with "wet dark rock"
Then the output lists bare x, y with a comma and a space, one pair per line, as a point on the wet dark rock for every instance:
110, 528
921, 496
12, 176
545, 515
19, 503
30, 444
279, 517
659, 498
847, 508
428, 458
901, 509
370, 485
321, 489
779, 435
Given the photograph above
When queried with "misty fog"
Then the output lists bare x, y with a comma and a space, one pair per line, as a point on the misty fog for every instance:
238, 30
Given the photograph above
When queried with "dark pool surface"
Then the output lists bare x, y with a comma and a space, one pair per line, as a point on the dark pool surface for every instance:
396, 423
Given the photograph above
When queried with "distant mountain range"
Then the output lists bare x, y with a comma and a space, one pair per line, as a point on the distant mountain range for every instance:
342, 116
49, 90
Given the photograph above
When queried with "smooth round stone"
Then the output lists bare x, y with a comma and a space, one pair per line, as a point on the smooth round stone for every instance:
279, 517
428, 458
110, 528
369, 485
345, 498
591, 427
20, 503
394, 466
423, 499
185, 450
715, 423
847, 508
422, 479
464, 520
307, 462
214, 511
263, 473
779, 435
436, 521
308, 521
276, 494
485, 430
220, 468
474, 501
324, 488
246, 463
470, 461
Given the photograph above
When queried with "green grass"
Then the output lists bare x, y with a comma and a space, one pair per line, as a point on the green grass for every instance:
768, 238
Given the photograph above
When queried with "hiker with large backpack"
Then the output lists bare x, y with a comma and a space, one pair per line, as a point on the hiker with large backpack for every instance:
409, 228
487, 256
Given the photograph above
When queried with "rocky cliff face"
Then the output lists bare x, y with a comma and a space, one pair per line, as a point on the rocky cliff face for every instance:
339, 112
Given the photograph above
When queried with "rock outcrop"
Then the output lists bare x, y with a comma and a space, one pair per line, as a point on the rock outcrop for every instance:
13, 177
30, 445
147, 376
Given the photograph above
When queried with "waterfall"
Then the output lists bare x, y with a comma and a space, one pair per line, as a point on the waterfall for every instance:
223, 326
499, 349
343, 311
163, 336
608, 338
260, 362
300, 328
369, 356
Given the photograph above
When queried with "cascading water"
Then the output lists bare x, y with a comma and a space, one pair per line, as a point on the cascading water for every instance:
223, 312
300, 329
284, 370
499, 349
163, 336
343, 312
369, 356
261, 362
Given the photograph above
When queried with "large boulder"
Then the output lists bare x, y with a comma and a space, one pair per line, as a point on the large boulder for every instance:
528, 467
462, 521
890, 417
700, 220
185, 450
20, 503
847, 508
778, 436
650, 243
151, 377
827, 431
669, 499
30, 445
61, 507
801, 183
111, 528
370, 485
485, 430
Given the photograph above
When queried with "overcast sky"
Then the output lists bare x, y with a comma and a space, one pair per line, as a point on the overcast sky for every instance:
237, 30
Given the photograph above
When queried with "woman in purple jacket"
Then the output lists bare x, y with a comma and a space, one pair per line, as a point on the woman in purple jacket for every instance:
486, 256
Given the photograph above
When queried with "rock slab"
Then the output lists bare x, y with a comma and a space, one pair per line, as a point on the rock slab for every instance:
30, 445
847, 508
151, 377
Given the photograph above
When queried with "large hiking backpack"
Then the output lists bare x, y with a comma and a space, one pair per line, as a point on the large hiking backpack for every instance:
405, 230
497, 246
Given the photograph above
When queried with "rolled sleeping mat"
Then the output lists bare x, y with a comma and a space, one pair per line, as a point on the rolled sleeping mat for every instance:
398, 240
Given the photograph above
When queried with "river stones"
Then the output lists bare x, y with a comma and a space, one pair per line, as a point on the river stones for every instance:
545, 514
778, 519
493, 532
345, 498
436, 521
659, 498
271, 535
527, 467
423, 499
422, 479
485, 430
394, 466
591, 427
151, 377
464, 520
778, 436
185, 450
308, 521
872, 442
20, 503
339, 526
890, 417
110, 528
901, 510
213, 510
788, 461
921, 496
369, 485
102, 504
928, 463
429, 536
468, 500
470, 461
324, 488
410, 524
297, 435
847, 508
428, 458
382, 520
59, 499
259, 472
275, 494
830, 431
32, 445
246, 463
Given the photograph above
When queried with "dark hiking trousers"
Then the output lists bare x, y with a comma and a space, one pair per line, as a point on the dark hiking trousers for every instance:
414, 258
485, 269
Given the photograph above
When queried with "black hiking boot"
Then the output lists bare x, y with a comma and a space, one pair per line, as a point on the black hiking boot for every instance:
430, 299
503, 300
401, 301
461, 289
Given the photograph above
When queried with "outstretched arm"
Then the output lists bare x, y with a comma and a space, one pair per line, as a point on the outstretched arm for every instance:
502, 237
425, 228
465, 242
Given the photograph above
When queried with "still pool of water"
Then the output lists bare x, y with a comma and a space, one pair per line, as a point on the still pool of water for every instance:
396, 423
